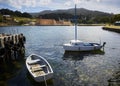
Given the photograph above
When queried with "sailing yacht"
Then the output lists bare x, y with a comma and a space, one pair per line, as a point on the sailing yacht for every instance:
77, 45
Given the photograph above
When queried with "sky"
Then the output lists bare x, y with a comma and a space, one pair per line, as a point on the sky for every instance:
109, 6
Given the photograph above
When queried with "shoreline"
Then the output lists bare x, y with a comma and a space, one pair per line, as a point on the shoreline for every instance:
55, 25
112, 28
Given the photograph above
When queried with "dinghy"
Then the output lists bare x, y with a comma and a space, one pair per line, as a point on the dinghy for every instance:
39, 68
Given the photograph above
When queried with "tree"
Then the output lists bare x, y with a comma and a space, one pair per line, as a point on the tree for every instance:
6, 12
27, 15
0, 18
105, 20
116, 17
18, 13
15, 13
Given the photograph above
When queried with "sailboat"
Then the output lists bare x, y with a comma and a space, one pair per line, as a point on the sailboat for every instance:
77, 45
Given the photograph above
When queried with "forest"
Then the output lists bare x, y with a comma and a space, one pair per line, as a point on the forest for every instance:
84, 19
14, 13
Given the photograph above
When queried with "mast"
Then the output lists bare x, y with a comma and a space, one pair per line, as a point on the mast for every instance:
75, 24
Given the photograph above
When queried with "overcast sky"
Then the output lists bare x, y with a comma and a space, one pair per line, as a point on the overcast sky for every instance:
110, 6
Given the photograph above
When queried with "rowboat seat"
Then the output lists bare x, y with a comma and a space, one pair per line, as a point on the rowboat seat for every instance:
35, 69
39, 73
35, 65
33, 61
42, 66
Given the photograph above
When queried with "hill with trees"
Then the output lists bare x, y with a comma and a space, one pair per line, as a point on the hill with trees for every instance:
14, 13
83, 15
9, 17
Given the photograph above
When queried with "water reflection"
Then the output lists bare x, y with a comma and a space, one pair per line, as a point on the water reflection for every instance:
69, 55
115, 80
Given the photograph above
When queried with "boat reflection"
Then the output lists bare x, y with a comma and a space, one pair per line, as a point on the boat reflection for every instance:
69, 55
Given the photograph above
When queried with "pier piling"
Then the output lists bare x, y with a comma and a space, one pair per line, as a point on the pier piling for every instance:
12, 47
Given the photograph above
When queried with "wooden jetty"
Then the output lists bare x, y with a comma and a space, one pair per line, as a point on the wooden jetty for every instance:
11, 46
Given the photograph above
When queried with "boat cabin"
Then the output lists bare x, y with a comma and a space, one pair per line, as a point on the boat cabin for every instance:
80, 43
76, 42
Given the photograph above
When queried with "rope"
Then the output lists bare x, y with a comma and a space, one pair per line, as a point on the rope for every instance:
45, 81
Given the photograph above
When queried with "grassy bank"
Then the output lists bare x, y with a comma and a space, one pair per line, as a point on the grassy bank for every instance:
24, 19
91, 24
16, 21
112, 28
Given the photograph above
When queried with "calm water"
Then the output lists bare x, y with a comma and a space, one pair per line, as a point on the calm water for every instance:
70, 69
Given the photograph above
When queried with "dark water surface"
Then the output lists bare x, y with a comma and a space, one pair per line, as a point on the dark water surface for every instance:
70, 69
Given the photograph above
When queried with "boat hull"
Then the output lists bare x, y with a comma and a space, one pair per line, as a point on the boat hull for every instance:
43, 78
81, 48
39, 72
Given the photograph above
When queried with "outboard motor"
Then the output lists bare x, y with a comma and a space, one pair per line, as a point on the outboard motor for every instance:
104, 43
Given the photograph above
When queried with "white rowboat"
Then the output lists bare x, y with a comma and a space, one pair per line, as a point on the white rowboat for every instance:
39, 68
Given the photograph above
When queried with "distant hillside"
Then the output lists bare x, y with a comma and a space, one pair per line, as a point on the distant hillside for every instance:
80, 11
83, 15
